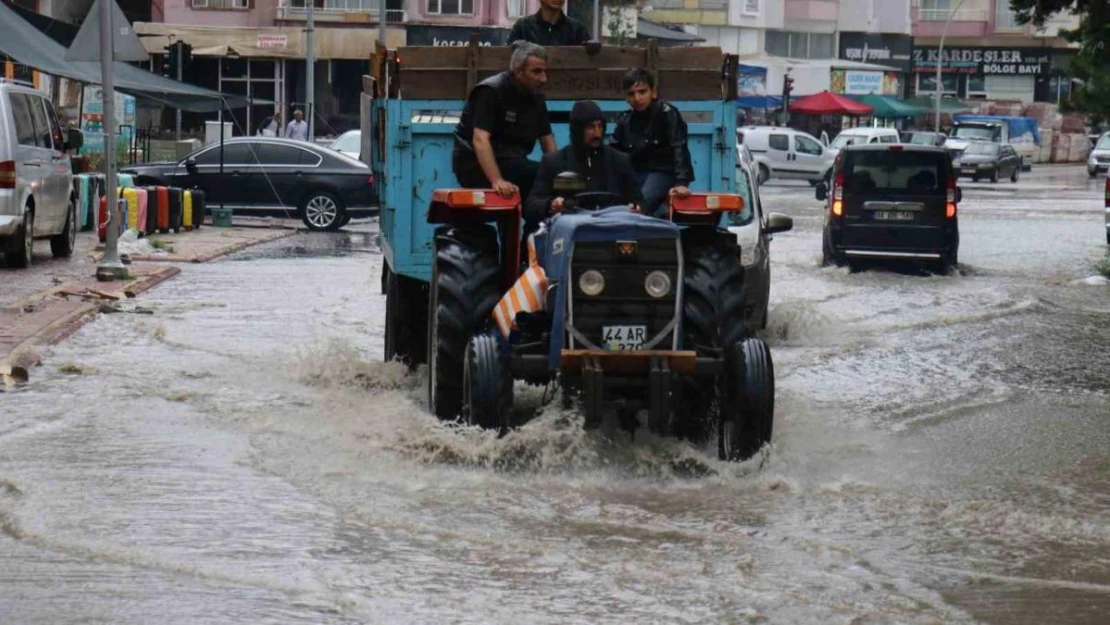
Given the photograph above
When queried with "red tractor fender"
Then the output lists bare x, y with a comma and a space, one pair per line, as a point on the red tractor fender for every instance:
702, 208
458, 206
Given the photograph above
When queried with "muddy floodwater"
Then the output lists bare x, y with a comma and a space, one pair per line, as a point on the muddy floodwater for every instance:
230, 449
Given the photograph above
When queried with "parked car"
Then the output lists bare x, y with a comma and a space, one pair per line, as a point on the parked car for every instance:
1099, 159
892, 202
271, 176
786, 153
37, 199
754, 230
743, 156
863, 135
982, 159
349, 143
1106, 208
924, 137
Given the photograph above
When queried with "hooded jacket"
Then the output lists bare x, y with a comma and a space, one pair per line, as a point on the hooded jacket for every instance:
655, 138
605, 169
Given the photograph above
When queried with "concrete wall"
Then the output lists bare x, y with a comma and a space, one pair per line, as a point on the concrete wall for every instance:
879, 16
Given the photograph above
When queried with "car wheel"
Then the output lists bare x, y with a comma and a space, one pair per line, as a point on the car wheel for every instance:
1014, 176
764, 174
61, 245
1092, 172
994, 176
21, 258
322, 210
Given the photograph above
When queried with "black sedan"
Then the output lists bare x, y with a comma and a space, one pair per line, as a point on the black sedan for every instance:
983, 159
274, 177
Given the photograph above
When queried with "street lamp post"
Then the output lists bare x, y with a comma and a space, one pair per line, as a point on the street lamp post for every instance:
940, 61
110, 268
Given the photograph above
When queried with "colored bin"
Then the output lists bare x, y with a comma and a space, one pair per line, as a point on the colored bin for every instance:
85, 192
198, 208
151, 210
132, 197
125, 180
143, 197
177, 207
187, 209
102, 221
163, 218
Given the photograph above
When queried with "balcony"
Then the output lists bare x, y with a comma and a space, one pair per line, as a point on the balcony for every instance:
351, 11
966, 22
942, 15
811, 10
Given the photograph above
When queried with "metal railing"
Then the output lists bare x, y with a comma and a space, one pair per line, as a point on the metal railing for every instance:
220, 4
942, 15
326, 8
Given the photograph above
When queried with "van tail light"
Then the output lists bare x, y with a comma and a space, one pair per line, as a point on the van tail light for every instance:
1106, 195
950, 205
7, 175
838, 195
370, 179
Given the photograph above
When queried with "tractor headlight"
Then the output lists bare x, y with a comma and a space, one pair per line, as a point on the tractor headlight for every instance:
657, 284
591, 282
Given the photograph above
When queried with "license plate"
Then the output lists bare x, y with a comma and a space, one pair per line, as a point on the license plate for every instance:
970, 170
893, 216
623, 338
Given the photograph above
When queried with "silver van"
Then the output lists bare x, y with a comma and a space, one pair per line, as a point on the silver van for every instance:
786, 153
36, 179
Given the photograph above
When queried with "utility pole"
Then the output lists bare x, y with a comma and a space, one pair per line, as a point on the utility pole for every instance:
310, 69
110, 267
382, 16
940, 62
180, 67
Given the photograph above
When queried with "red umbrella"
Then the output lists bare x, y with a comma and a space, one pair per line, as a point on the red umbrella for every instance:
827, 103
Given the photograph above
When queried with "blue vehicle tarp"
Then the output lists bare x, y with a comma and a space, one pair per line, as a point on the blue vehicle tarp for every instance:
1018, 126
759, 102
556, 246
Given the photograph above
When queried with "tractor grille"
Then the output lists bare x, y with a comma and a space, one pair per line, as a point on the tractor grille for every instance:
624, 300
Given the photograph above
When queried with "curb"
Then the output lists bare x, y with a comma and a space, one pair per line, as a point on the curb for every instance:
238, 247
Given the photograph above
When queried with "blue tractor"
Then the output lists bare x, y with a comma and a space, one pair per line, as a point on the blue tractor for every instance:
640, 320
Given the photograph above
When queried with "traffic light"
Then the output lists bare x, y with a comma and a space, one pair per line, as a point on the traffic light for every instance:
787, 88
169, 61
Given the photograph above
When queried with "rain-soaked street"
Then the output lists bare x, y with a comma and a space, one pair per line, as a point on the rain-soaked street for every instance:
230, 449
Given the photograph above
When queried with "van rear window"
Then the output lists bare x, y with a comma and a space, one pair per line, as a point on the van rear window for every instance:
901, 172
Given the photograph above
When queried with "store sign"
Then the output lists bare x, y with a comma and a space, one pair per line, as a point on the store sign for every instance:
454, 36
891, 50
751, 81
862, 83
272, 42
995, 61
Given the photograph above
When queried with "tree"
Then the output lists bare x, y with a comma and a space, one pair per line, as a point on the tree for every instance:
1093, 37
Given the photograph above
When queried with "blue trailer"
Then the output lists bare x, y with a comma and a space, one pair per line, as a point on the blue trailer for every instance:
452, 255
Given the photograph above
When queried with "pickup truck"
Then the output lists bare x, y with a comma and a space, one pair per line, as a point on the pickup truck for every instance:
1020, 132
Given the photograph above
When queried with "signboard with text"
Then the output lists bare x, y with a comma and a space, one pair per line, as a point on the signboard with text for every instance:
880, 49
994, 61
859, 82
418, 35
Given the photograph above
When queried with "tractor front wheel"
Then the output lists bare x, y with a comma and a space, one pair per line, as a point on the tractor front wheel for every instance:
487, 388
748, 414
465, 287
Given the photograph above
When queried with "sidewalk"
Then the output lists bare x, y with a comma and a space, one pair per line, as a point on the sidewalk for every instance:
51, 315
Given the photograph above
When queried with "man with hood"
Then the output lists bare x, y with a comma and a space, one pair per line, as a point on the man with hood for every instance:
603, 168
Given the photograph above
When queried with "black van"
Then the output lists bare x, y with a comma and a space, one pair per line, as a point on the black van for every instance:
893, 202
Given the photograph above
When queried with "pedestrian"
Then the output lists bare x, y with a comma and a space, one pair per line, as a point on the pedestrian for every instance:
271, 126
550, 26
298, 128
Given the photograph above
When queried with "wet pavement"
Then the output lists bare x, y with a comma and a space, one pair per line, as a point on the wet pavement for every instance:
231, 449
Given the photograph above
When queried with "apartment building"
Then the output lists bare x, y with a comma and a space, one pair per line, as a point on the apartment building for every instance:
987, 54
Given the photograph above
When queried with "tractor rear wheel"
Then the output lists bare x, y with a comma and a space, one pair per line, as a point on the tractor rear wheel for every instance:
406, 318
466, 286
749, 412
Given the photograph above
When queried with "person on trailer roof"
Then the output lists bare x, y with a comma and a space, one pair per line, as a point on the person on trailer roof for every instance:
653, 133
504, 116
550, 26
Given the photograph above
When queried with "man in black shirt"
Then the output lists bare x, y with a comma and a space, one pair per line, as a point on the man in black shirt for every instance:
603, 168
550, 27
653, 133
504, 116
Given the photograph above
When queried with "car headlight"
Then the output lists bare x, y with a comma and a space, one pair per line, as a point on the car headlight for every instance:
657, 284
591, 282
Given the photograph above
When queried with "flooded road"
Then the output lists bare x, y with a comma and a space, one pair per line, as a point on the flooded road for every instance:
230, 448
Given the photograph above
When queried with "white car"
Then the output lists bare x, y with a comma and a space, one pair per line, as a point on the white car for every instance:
863, 136
349, 143
781, 152
37, 199
1099, 159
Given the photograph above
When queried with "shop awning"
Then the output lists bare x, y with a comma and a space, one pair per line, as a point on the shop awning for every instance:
651, 30
27, 45
759, 102
828, 103
887, 106
928, 103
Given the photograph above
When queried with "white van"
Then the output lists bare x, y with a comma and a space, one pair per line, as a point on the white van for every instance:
36, 178
786, 153
863, 136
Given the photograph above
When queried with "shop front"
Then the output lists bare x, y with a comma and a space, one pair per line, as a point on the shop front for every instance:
891, 50
1025, 74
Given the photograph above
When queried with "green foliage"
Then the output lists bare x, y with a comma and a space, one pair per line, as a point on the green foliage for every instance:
1093, 37
1103, 266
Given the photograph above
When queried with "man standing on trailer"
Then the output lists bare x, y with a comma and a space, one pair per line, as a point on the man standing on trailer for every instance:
503, 118
653, 133
550, 26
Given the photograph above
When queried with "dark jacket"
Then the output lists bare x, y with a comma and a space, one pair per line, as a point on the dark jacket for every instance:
564, 32
515, 119
605, 170
656, 141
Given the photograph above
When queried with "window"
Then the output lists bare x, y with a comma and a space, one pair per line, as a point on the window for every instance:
1004, 18
744, 190
779, 142
750, 7
777, 43
927, 83
976, 83
55, 129
516, 8
903, 172
451, 7
820, 46
24, 124
42, 128
234, 154
221, 4
888, 139
799, 45
805, 145
274, 154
